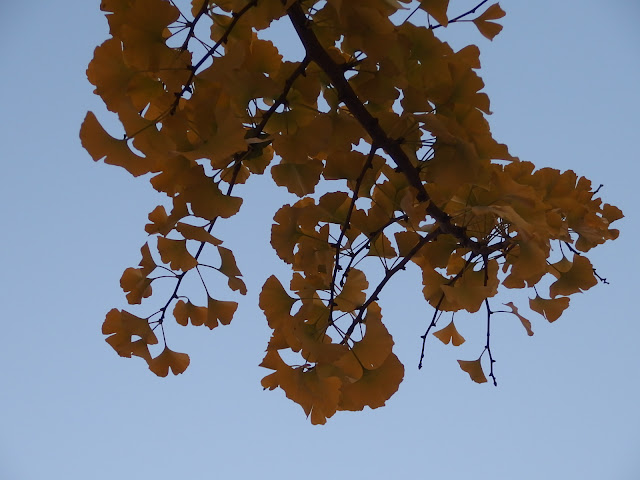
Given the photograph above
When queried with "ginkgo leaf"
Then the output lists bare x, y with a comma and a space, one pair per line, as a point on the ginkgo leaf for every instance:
136, 284
449, 334
487, 28
549, 308
578, 278
229, 268
185, 311
299, 178
147, 263
122, 326
375, 386
219, 311
274, 301
175, 253
352, 294
525, 323
161, 222
474, 369
191, 232
376, 345
101, 145
437, 9
168, 359
469, 291
318, 396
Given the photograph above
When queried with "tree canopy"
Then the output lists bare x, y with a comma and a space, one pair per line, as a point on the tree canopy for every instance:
381, 115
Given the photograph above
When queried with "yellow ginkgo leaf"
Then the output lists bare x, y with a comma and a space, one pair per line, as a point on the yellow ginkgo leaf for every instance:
375, 386
122, 326
487, 28
191, 232
185, 311
275, 302
549, 308
229, 268
219, 311
474, 369
101, 145
175, 253
525, 323
449, 334
578, 278
376, 345
437, 9
136, 285
147, 263
353, 292
299, 178
168, 359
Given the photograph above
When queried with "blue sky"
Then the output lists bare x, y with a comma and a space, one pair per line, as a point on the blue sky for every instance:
562, 78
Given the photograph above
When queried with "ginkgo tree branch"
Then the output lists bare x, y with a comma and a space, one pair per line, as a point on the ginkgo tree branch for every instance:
506, 213
461, 16
391, 146
238, 157
211, 51
344, 227
432, 235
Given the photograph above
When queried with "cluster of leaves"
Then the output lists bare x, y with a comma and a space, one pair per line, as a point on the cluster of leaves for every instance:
392, 120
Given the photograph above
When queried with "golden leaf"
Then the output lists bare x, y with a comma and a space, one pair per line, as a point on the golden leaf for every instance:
175, 253
469, 291
185, 311
578, 278
437, 9
474, 369
376, 345
168, 359
525, 323
275, 302
352, 294
318, 396
549, 308
161, 222
219, 310
299, 178
101, 145
136, 284
200, 234
122, 325
375, 386
449, 334
487, 28
229, 268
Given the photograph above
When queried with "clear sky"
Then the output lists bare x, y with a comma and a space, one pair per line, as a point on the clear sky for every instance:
563, 79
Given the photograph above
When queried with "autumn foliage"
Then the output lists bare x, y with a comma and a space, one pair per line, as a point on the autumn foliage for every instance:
392, 121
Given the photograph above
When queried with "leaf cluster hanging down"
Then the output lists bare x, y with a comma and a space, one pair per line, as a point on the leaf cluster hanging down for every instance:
382, 111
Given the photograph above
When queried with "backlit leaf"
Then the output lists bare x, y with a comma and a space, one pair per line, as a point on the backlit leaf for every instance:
487, 28
101, 145
437, 9
474, 369
376, 345
175, 253
375, 386
449, 334
578, 278
525, 323
168, 359
549, 308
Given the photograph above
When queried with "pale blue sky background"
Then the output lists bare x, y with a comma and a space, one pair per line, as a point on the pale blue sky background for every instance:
563, 79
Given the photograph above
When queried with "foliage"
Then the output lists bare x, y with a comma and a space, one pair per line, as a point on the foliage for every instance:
392, 121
